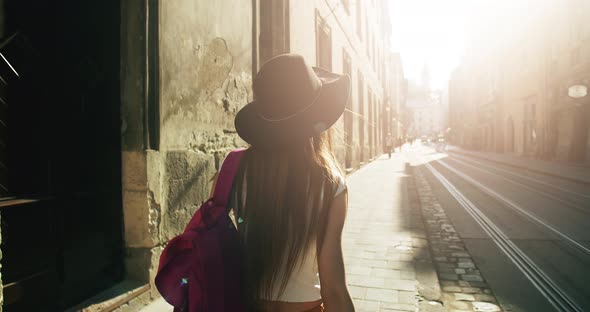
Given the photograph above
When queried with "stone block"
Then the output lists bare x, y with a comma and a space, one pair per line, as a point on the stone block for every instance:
396, 284
466, 265
136, 218
366, 262
471, 278
452, 289
383, 295
187, 179
449, 283
410, 275
154, 175
390, 273
446, 271
471, 290
137, 263
365, 281
461, 305
408, 297
366, 305
464, 297
464, 284
357, 292
485, 306
358, 270
134, 171
448, 276
459, 254
485, 297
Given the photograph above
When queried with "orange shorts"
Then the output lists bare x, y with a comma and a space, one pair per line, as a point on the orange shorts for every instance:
319, 308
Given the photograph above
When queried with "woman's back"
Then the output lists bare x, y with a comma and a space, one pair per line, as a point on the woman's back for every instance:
289, 193
280, 215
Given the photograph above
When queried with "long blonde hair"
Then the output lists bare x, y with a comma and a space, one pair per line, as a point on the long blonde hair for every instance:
288, 191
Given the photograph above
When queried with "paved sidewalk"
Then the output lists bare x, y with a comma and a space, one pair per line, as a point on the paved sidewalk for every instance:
159, 305
388, 264
386, 253
576, 173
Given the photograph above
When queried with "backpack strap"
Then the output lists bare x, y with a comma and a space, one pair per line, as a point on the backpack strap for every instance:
225, 180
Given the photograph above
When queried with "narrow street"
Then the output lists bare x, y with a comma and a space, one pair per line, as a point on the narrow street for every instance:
526, 232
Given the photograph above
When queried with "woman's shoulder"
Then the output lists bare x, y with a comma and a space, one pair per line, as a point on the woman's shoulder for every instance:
341, 184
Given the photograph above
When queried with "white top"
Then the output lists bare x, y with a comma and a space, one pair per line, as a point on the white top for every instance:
304, 283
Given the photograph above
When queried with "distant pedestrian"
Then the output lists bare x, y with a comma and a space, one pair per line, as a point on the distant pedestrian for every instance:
389, 144
289, 199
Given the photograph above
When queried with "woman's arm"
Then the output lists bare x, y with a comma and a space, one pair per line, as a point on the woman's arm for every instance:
330, 261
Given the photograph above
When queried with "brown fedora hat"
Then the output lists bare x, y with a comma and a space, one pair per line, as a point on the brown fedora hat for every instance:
293, 101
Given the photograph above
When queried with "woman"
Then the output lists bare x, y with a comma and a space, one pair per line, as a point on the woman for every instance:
289, 197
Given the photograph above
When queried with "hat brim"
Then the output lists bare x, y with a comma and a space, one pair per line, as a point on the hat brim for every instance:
326, 110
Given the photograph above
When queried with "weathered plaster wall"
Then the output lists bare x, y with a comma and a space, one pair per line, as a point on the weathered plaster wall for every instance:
206, 52
206, 77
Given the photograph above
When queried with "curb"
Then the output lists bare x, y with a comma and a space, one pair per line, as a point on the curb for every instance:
463, 286
429, 291
576, 180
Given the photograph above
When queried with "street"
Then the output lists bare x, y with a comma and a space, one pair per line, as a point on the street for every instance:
526, 232
433, 229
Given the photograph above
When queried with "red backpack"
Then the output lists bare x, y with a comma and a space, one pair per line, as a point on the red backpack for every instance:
200, 270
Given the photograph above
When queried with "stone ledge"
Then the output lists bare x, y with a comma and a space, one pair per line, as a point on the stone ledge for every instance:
112, 298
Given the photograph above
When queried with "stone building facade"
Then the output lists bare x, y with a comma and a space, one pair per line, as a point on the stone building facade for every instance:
397, 97
175, 76
515, 78
352, 38
425, 106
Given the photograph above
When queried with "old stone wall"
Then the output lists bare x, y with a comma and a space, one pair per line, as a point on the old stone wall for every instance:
205, 77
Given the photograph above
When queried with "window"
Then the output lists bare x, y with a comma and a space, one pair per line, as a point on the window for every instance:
361, 111
373, 55
346, 6
370, 116
348, 127
274, 29
359, 21
368, 43
323, 43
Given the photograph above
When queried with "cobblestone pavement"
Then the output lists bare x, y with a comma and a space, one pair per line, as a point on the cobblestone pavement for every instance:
463, 286
388, 266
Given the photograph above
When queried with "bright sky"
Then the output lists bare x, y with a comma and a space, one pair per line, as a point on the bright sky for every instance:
430, 31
